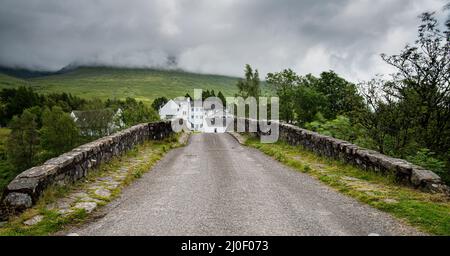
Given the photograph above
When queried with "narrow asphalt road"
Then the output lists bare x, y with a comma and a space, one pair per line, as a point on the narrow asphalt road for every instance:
215, 186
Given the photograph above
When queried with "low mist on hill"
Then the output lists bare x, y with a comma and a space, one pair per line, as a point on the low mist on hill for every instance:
208, 36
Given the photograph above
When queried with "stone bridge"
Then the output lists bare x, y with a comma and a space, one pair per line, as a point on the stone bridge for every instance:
24, 191
216, 184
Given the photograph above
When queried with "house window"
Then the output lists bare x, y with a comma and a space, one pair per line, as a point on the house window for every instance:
192, 117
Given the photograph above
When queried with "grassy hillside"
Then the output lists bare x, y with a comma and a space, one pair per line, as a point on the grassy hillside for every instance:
142, 84
10, 82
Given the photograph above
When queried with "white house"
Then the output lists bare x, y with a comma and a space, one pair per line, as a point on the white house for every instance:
195, 115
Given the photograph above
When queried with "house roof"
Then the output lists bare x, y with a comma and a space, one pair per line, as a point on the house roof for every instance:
169, 108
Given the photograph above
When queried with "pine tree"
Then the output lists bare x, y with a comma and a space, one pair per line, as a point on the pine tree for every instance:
222, 98
250, 87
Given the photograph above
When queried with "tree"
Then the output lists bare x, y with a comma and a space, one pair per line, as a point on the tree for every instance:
250, 86
307, 103
284, 83
23, 141
159, 103
66, 101
94, 104
135, 112
342, 97
59, 132
422, 81
377, 115
96, 123
340, 128
302, 97
408, 116
222, 98
205, 94
16, 100
37, 111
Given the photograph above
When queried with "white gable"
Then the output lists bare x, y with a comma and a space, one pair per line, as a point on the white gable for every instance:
169, 109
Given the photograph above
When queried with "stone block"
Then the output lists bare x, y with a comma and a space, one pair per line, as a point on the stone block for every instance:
419, 177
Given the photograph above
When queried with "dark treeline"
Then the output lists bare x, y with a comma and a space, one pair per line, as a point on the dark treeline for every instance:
15, 101
405, 116
45, 126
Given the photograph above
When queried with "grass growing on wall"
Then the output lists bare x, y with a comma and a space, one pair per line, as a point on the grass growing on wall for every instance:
428, 212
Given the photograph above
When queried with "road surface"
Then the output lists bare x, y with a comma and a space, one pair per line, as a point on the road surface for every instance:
215, 186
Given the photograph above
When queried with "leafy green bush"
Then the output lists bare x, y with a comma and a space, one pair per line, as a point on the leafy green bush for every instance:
59, 132
427, 159
340, 128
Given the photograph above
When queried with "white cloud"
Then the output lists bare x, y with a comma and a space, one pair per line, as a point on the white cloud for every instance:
205, 36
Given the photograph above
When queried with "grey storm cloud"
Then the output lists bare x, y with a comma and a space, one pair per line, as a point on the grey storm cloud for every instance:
208, 36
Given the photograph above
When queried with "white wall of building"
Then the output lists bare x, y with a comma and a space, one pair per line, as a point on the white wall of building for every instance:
216, 121
194, 114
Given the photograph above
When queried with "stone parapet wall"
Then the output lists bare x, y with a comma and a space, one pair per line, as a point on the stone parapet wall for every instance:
27, 187
365, 159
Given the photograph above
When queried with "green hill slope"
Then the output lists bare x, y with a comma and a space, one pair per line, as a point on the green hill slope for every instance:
10, 82
142, 84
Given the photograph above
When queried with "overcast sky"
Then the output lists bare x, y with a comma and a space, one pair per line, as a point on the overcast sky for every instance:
210, 36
